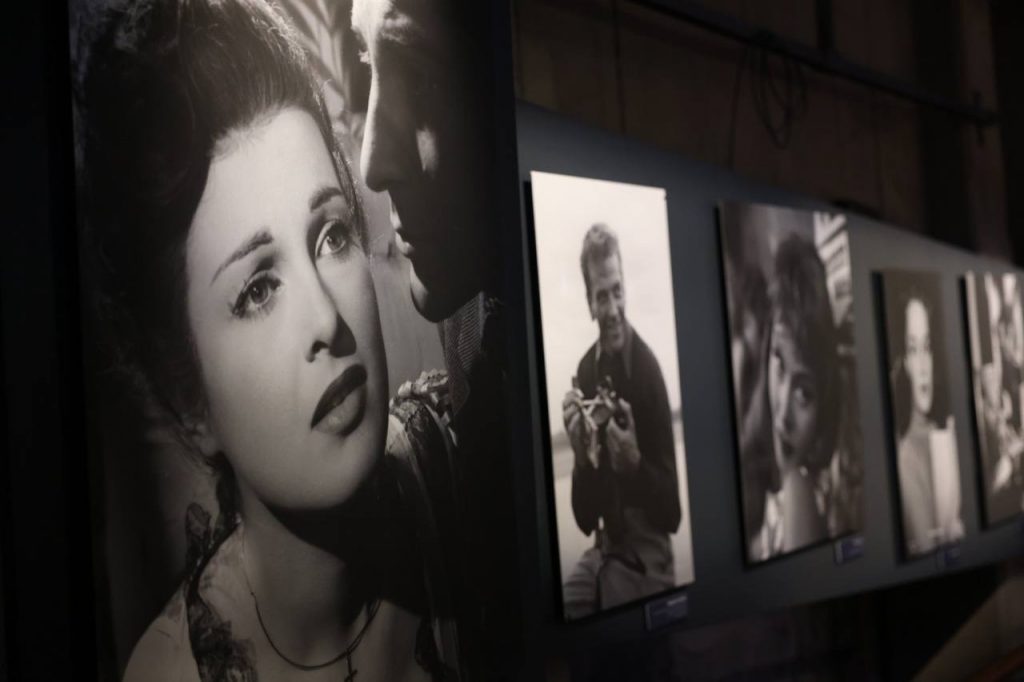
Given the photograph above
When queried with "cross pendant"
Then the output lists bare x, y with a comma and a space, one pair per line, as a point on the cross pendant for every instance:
351, 673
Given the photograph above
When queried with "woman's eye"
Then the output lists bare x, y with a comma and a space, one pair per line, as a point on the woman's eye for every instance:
333, 239
255, 296
803, 396
259, 292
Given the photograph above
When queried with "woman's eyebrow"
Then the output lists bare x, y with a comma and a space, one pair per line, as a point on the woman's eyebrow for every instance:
261, 238
323, 195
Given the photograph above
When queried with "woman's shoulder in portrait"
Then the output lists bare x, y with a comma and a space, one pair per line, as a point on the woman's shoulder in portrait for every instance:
910, 465
421, 454
201, 609
164, 651
912, 453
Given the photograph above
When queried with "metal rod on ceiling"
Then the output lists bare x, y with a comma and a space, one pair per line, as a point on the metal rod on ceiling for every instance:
823, 61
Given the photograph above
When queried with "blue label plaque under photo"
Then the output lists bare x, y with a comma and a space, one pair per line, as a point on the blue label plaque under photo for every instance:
948, 556
848, 549
666, 611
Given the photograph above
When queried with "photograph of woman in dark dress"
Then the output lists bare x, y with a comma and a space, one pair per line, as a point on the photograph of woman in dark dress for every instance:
927, 464
790, 321
231, 294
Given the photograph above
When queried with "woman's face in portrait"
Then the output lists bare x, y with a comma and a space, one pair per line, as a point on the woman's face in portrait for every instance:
918, 359
793, 397
284, 318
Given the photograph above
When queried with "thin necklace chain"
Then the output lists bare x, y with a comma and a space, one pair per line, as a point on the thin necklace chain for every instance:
371, 611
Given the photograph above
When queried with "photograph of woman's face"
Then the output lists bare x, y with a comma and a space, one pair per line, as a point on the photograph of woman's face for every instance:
918, 358
790, 312
284, 318
792, 395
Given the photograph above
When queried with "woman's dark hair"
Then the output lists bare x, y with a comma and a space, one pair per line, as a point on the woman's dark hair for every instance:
896, 322
749, 304
800, 301
165, 81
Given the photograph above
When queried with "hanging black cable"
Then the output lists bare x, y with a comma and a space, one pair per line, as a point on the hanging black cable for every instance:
619, 82
827, 62
779, 99
741, 65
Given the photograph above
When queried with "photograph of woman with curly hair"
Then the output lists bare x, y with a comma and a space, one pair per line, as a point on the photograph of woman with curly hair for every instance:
923, 427
271, 503
790, 321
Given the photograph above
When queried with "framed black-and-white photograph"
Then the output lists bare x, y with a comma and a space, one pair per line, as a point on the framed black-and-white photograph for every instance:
996, 327
611, 378
927, 464
294, 328
788, 283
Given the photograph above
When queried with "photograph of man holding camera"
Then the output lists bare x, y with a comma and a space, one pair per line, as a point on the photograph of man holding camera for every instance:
625, 491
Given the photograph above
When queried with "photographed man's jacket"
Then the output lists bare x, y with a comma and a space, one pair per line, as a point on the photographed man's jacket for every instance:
633, 514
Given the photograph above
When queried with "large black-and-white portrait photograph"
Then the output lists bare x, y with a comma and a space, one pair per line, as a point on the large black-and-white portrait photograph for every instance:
789, 299
923, 428
293, 339
611, 376
996, 328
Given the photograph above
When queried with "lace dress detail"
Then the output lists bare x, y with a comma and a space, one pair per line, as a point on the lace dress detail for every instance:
419, 464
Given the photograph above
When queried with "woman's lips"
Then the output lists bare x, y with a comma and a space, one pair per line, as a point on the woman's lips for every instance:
341, 406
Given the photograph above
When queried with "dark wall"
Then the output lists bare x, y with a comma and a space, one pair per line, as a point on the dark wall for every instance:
891, 634
43, 501
724, 588
1008, 27
625, 67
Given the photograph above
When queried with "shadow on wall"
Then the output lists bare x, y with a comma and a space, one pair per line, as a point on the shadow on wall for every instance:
812, 642
960, 626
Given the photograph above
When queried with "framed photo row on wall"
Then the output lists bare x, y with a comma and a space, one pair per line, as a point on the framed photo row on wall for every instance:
606, 308
611, 381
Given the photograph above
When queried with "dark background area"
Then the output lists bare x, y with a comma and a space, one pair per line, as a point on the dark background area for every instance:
1008, 27
633, 67
44, 518
887, 634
